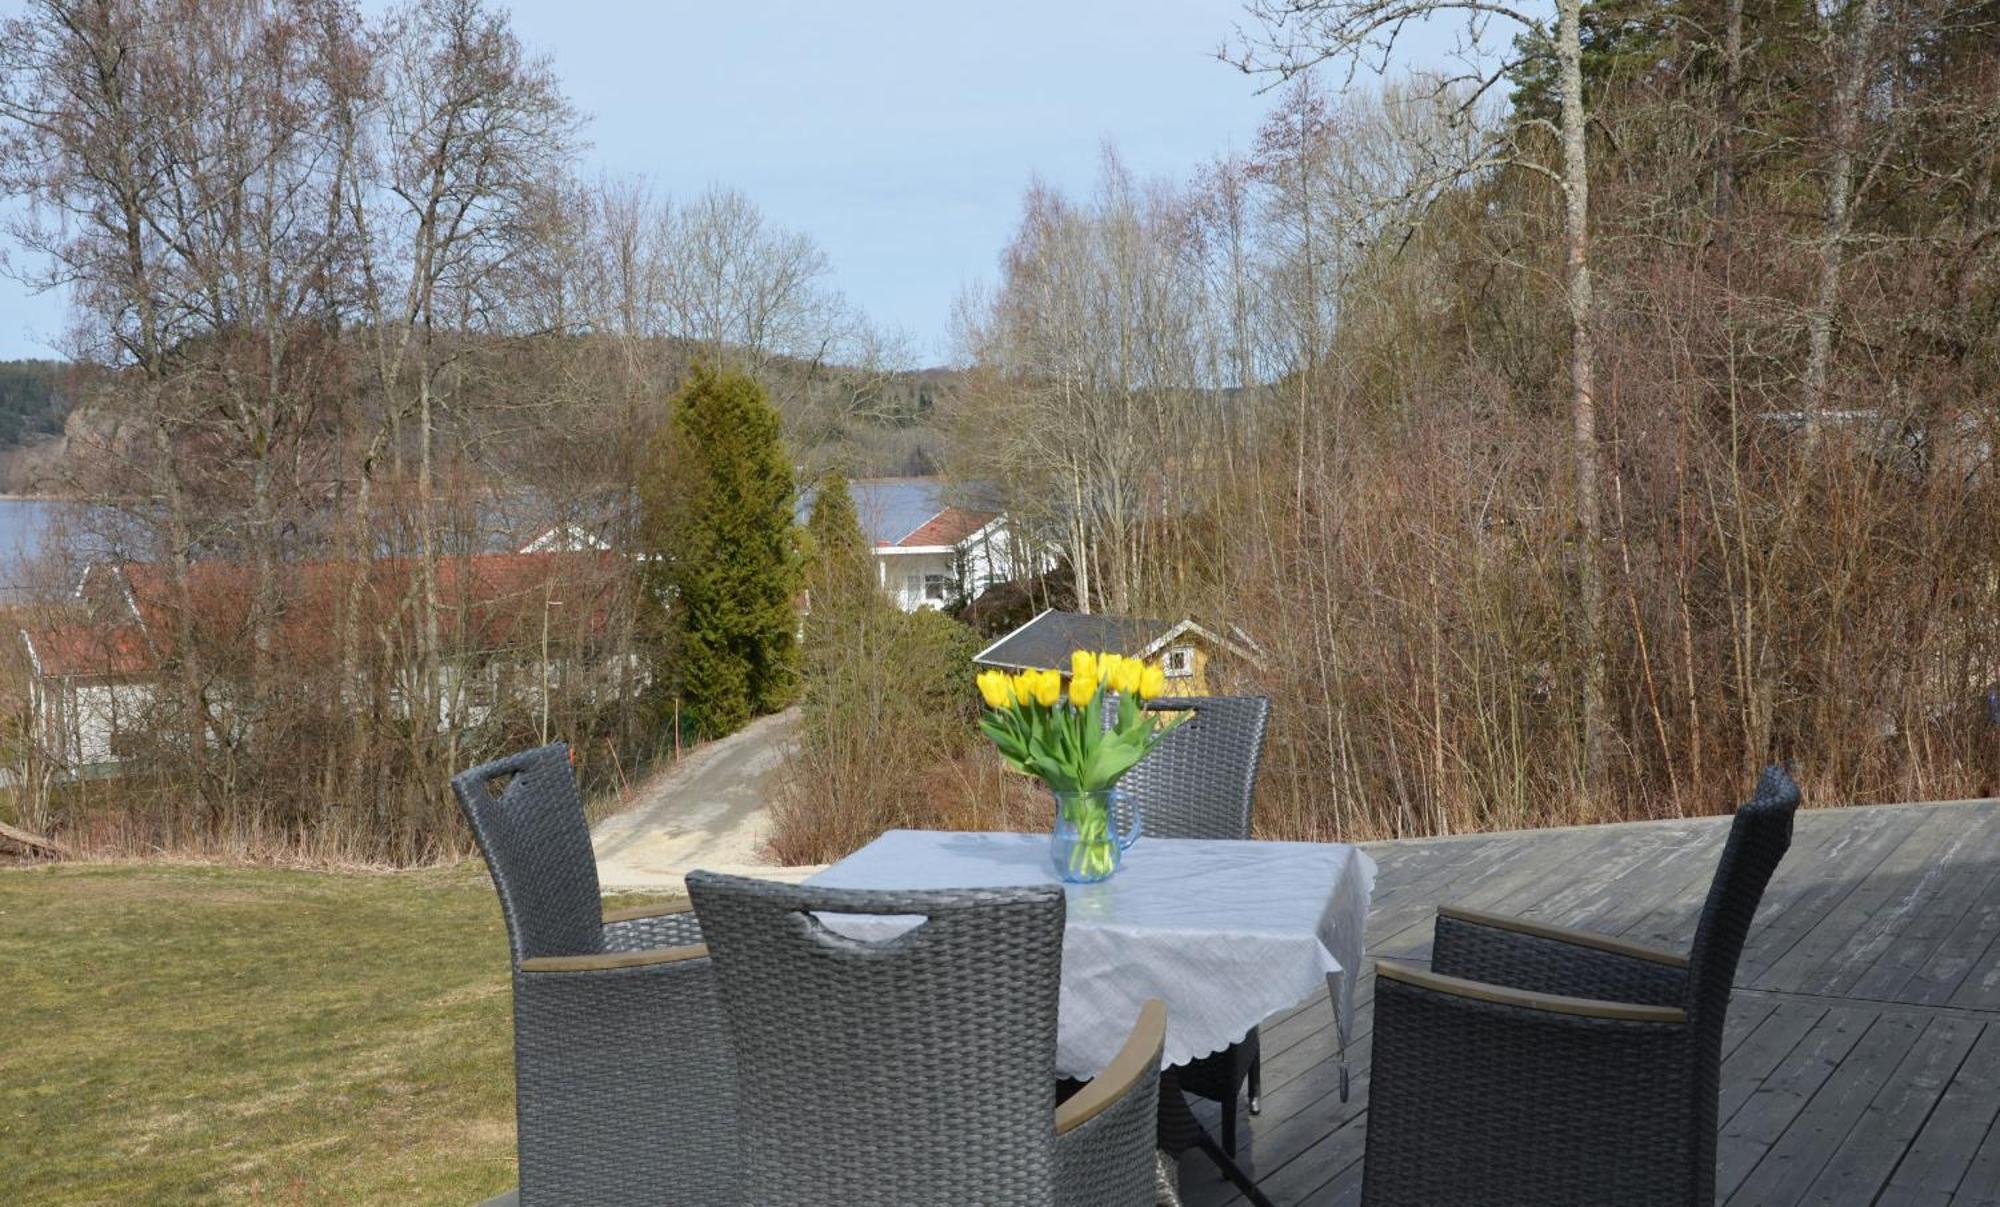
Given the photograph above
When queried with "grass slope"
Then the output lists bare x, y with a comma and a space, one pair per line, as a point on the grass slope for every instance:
178, 1034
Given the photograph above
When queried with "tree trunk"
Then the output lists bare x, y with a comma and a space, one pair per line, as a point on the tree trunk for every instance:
264, 603
1079, 539
34, 844
1732, 117
193, 702
430, 689
1583, 389
356, 684
1844, 132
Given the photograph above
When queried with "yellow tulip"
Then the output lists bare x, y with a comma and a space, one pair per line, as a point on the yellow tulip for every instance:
1129, 672
1081, 689
1082, 665
994, 690
1023, 687
1152, 684
1048, 688
1107, 666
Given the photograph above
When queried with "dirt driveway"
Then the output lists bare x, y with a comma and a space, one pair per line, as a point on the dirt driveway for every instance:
710, 810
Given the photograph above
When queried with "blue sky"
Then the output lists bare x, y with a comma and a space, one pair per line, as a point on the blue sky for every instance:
898, 135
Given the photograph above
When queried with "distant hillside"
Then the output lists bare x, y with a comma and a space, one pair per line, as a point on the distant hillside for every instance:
866, 421
32, 402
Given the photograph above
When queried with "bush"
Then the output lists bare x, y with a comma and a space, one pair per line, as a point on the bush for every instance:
888, 738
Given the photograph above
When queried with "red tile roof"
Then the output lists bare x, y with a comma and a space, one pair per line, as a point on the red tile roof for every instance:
488, 602
949, 527
61, 650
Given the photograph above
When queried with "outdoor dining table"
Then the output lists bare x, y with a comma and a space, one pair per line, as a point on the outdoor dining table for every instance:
1226, 933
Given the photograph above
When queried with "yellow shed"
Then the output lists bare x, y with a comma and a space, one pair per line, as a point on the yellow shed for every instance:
1198, 661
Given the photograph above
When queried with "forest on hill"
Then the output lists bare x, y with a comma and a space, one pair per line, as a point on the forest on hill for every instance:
33, 402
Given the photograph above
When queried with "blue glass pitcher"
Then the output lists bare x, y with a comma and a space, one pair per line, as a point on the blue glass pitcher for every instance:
1085, 844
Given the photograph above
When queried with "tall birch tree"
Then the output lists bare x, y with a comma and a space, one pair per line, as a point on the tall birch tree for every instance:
1290, 37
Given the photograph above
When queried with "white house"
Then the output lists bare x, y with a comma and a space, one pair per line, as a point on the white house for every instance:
569, 537
955, 554
930, 552
88, 687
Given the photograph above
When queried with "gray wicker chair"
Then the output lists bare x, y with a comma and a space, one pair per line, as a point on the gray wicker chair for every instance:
1200, 782
623, 1088
1538, 1065
919, 1069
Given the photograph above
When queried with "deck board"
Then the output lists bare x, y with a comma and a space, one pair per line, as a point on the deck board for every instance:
1862, 1055
1937, 1162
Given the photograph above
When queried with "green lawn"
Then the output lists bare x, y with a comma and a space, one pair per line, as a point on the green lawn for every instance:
181, 1034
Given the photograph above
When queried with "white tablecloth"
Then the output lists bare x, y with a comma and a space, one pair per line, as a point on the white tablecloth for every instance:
1225, 933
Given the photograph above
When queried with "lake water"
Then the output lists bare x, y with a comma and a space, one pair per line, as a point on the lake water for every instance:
24, 526
27, 526
23, 523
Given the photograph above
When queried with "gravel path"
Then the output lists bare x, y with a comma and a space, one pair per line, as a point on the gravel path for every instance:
710, 810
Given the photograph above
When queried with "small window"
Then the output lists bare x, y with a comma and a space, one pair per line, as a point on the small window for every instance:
1178, 662
938, 587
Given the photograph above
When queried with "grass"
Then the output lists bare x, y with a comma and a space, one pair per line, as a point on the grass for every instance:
193, 1034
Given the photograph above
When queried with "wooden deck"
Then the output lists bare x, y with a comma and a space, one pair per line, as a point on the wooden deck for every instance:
1862, 1060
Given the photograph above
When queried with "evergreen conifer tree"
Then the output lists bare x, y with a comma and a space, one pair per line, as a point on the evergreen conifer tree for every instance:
838, 563
717, 493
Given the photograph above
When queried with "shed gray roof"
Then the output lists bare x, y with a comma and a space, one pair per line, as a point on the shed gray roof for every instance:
1046, 641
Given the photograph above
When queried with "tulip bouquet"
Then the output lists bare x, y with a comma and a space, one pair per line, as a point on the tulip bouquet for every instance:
1059, 734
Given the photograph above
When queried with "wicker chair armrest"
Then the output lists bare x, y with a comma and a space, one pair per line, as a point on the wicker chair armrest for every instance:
647, 911
1552, 959
1565, 934
1139, 1056
1528, 999
1106, 1131
612, 961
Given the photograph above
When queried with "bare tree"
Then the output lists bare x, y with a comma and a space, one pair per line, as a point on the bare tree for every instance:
80, 146
1294, 160
469, 133
1853, 55
187, 159
743, 290
1091, 407
1294, 36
